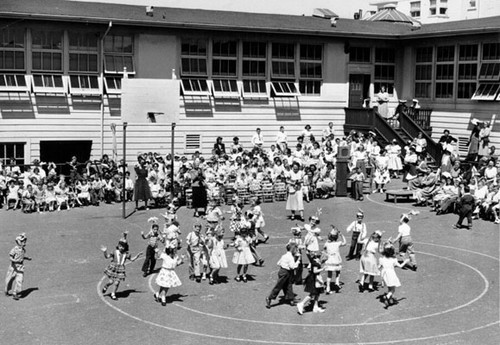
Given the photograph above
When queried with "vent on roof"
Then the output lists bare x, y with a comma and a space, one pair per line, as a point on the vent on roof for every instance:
324, 13
150, 11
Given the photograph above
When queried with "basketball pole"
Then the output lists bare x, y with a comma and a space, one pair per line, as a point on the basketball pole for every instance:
172, 153
124, 191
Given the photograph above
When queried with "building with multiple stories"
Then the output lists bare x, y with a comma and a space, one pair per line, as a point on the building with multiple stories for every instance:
224, 74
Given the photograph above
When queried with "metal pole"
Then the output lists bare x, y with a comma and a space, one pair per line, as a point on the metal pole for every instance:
124, 191
101, 66
172, 163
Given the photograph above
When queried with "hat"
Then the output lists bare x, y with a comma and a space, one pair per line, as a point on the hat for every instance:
402, 101
360, 214
414, 100
394, 140
423, 168
296, 230
446, 174
372, 133
378, 232
21, 238
168, 216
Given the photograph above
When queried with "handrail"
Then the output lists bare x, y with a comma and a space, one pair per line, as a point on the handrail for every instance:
421, 116
413, 129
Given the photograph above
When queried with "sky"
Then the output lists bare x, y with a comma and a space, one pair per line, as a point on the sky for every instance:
344, 8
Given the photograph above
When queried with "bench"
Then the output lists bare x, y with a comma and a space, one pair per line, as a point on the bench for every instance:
398, 193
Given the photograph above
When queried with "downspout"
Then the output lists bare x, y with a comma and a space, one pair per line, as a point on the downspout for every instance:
110, 24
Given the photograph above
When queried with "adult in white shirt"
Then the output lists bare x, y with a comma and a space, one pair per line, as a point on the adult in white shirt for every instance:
257, 139
282, 140
328, 131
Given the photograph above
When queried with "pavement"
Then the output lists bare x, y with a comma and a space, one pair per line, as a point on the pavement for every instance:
453, 297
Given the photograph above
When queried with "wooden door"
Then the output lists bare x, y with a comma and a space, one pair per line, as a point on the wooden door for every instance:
358, 89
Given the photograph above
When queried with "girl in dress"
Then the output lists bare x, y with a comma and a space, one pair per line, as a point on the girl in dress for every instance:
83, 192
50, 196
368, 264
386, 265
13, 195
116, 269
167, 278
39, 192
295, 200
62, 196
218, 259
242, 256
334, 260
258, 217
313, 285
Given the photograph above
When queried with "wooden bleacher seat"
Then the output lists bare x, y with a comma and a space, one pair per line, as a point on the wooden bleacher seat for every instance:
280, 192
267, 192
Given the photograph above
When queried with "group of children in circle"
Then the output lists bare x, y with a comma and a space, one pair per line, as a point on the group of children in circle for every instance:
206, 254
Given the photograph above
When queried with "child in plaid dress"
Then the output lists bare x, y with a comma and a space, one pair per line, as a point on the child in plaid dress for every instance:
116, 269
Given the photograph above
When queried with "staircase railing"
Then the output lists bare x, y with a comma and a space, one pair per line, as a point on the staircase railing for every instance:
422, 117
413, 129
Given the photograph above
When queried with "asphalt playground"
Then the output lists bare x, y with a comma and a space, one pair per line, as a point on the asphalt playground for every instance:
453, 298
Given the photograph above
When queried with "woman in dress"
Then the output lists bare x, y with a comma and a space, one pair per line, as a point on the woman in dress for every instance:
295, 201
141, 187
334, 260
198, 186
393, 152
167, 278
383, 100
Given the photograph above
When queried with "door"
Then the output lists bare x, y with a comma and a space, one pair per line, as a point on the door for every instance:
359, 86
60, 152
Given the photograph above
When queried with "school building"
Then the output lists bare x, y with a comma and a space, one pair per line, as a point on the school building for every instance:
64, 66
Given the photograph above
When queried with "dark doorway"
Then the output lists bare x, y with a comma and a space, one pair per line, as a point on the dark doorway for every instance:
359, 87
60, 152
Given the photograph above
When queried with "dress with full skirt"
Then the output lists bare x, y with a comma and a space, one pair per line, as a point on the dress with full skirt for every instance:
387, 272
167, 277
243, 254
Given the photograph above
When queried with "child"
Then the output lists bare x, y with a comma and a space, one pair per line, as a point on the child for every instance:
217, 255
13, 194
405, 241
153, 237
50, 196
297, 240
381, 177
334, 260
386, 265
358, 228
28, 198
195, 247
313, 285
236, 213
167, 278
311, 240
258, 217
116, 269
214, 216
357, 178
15, 273
242, 256
287, 263
465, 207
368, 264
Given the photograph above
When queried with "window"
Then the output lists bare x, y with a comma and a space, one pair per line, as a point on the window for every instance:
224, 58
254, 59
255, 89
423, 72
311, 69
415, 9
489, 73
12, 49
10, 151
284, 89
195, 87
16, 105
83, 55
46, 50
194, 58
84, 85
113, 85
443, 7
472, 5
385, 69
224, 88
14, 82
50, 83
432, 7
467, 70
445, 69
283, 61
359, 54
118, 54
193, 142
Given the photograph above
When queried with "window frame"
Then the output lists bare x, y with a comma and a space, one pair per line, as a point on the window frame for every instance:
47, 88
284, 89
8, 35
190, 56
46, 52
83, 90
308, 82
259, 93
228, 84
202, 90
6, 87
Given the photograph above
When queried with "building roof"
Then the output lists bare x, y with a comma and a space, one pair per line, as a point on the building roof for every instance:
391, 15
86, 12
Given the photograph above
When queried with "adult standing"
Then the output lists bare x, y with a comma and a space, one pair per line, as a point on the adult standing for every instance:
219, 147
198, 186
383, 101
282, 140
141, 187
473, 142
258, 140
295, 201
484, 138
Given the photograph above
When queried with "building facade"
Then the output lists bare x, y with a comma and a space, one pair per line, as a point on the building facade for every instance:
62, 68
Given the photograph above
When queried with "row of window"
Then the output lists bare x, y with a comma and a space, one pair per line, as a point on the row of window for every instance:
384, 64
435, 7
47, 50
465, 71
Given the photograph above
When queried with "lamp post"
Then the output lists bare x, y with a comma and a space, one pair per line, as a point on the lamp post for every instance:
101, 65
172, 163
124, 167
